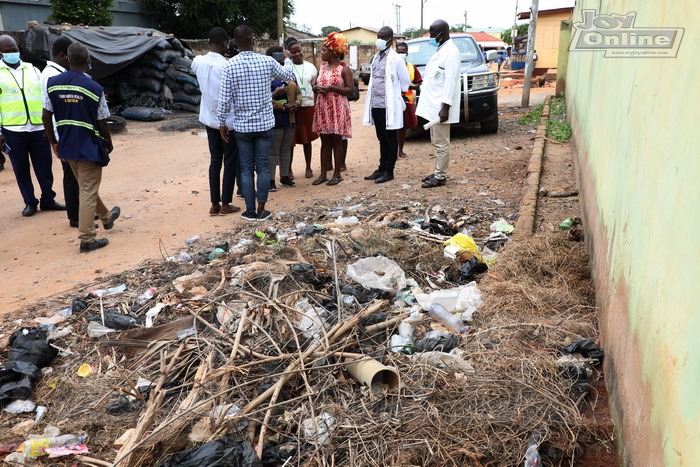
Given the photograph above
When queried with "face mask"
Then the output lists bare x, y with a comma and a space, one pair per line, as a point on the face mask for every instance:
403, 56
434, 42
11, 58
381, 44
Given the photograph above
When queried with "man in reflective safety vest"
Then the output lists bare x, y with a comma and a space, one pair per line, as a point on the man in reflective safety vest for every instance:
81, 112
22, 134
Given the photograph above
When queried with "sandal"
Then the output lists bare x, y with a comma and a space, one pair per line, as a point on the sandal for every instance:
309, 173
334, 181
343, 168
319, 180
402, 155
433, 182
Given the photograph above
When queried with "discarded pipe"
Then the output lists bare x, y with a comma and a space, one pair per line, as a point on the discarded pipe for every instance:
373, 374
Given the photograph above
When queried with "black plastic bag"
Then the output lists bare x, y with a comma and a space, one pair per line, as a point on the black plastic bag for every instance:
225, 452
13, 386
443, 343
122, 405
471, 267
585, 347
29, 352
115, 320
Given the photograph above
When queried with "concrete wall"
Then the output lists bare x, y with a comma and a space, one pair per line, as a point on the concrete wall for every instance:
547, 38
14, 14
635, 121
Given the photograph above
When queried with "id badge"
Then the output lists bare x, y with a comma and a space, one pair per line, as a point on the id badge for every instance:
303, 92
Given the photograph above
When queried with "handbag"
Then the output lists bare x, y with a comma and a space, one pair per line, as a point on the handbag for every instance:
355, 96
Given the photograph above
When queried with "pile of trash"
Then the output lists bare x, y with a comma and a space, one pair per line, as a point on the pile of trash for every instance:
367, 337
162, 78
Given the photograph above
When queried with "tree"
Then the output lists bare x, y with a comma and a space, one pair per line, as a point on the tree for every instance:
89, 12
412, 33
325, 30
522, 29
194, 18
459, 27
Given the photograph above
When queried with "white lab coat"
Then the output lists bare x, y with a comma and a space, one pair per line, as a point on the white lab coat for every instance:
441, 84
397, 81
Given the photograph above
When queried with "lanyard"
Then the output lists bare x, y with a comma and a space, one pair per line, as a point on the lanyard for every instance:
301, 76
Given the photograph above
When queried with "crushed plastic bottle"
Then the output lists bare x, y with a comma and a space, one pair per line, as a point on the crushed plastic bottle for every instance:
567, 223
192, 239
184, 257
532, 457
450, 321
147, 295
34, 448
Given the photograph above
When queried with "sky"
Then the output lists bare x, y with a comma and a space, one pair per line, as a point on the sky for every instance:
377, 13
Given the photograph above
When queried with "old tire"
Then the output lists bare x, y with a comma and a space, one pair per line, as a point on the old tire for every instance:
490, 126
116, 123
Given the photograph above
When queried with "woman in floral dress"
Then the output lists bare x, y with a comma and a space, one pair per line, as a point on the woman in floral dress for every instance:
332, 115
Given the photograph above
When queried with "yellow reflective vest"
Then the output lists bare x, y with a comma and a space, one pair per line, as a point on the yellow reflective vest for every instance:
410, 95
20, 101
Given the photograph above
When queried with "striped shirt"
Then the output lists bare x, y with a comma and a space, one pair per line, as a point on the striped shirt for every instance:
245, 91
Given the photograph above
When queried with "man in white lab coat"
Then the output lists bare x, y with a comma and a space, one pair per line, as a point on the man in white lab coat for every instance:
384, 104
439, 98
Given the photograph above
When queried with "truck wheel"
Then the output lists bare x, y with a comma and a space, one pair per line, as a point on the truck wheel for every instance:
365, 79
490, 126
116, 123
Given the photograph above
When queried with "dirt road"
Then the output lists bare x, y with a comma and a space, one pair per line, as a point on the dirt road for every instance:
159, 180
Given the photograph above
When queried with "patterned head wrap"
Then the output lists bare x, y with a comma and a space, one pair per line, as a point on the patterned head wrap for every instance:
336, 43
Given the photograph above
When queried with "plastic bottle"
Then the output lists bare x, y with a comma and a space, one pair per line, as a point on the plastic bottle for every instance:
191, 240
147, 295
34, 448
450, 321
567, 223
532, 457
406, 332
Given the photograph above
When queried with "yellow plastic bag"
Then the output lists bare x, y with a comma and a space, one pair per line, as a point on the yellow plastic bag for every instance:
463, 247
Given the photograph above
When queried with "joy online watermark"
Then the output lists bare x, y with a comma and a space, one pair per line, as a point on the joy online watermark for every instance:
618, 37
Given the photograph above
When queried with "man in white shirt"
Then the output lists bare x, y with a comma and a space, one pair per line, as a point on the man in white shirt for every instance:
59, 64
208, 70
439, 98
384, 104
22, 131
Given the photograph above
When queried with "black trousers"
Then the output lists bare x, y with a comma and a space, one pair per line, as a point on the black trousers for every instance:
31, 149
71, 192
226, 154
388, 141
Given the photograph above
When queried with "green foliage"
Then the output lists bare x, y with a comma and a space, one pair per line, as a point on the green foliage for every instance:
88, 12
558, 127
533, 117
192, 19
459, 27
412, 33
325, 30
521, 30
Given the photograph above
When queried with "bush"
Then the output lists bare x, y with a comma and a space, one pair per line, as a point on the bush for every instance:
88, 12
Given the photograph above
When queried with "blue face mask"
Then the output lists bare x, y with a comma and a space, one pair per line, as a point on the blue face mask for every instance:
11, 58
434, 42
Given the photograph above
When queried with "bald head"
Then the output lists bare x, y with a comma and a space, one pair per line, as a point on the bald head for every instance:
385, 33
78, 56
8, 44
440, 31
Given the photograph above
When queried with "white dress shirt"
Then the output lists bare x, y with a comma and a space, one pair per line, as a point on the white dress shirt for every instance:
208, 70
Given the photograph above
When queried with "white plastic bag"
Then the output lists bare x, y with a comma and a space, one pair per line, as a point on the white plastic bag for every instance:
378, 272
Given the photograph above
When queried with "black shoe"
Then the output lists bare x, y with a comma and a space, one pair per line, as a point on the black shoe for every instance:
386, 176
116, 211
286, 181
250, 216
264, 215
29, 211
53, 206
92, 246
74, 224
375, 175
273, 187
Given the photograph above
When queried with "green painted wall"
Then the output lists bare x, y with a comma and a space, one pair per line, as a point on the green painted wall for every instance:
636, 124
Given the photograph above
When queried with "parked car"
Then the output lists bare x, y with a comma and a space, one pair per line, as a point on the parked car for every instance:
366, 70
479, 85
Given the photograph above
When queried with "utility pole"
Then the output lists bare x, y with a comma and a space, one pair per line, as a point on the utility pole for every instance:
530, 51
514, 31
421, 12
465, 20
280, 21
397, 7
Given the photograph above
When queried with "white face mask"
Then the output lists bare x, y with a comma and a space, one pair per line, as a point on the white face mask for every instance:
404, 56
381, 44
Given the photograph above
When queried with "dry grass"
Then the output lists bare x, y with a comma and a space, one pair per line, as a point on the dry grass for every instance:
537, 298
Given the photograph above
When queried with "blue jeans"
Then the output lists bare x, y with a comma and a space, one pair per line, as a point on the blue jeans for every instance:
254, 153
